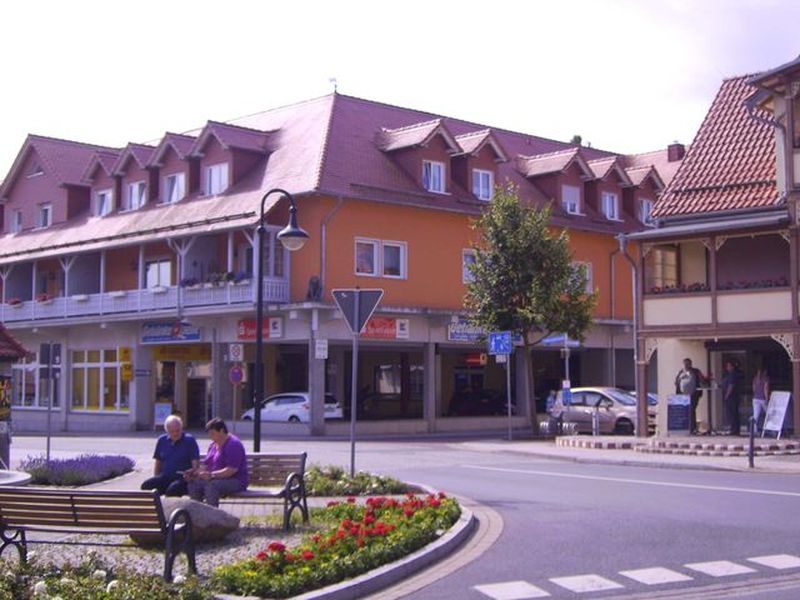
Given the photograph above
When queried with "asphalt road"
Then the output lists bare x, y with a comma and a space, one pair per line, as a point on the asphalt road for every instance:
585, 523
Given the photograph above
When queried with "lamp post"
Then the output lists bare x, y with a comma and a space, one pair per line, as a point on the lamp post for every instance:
293, 238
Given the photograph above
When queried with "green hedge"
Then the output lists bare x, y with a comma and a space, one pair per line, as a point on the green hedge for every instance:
334, 481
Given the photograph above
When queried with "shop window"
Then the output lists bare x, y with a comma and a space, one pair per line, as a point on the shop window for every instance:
97, 383
28, 389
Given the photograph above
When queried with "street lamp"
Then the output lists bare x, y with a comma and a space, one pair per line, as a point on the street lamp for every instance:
293, 238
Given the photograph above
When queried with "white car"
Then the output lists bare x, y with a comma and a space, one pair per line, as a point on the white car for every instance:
294, 407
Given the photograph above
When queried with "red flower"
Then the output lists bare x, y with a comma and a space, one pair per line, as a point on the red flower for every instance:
409, 512
434, 503
333, 503
290, 557
351, 500
276, 547
262, 555
354, 530
308, 555
360, 542
316, 537
369, 519
442, 495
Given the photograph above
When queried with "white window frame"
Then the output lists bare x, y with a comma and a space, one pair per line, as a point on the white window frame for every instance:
428, 179
376, 266
102, 384
645, 215
158, 260
16, 221
104, 202
140, 197
572, 208
41, 210
467, 258
216, 184
26, 370
610, 204
403, 247
589, 279
178, 192
482, 184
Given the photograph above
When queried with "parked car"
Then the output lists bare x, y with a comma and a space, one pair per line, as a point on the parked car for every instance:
652, 399
616, 409
294, 407
486, 402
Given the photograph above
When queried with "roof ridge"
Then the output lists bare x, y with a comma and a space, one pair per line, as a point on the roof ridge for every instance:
485, 131
32, 136
413, 125
323, 157
553, 153
242, 127
277, 108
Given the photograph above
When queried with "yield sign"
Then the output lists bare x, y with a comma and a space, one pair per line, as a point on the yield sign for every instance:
357, 305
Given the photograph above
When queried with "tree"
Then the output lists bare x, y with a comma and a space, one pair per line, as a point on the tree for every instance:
576, 139
524, 279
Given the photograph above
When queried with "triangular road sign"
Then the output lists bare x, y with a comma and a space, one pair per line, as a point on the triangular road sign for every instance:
367, 299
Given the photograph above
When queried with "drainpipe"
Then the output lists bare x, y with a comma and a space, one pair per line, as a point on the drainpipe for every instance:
641, 395
613, 272
323, 242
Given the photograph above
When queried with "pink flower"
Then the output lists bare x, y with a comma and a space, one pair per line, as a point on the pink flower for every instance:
276, 547
307, 555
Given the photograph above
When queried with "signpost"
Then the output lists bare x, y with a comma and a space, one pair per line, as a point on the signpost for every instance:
356, 306
50, 355
500, 344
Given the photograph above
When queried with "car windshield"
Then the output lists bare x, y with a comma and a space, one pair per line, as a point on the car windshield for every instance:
621, 396
652, 399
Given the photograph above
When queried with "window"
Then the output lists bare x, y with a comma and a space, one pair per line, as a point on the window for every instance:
661, 268
571, 199
482, 184
394, 259
273, 257
158, 273
97, 383
367, 257
433, 176
16, 221
646, 211
135, 195
174, 187
610, 205
467, 260
28, 387
103, 202
44, 215
36, 170
216, 179
584, 269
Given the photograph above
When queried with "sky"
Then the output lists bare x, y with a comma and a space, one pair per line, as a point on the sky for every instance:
627, 75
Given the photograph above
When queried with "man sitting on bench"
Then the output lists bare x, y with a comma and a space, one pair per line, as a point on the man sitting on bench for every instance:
224, 470
176, 452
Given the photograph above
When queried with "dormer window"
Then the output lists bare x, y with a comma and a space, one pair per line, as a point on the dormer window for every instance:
433, 176
646, 211
610, 205
174, 188
135, 195
44, 215
216, 179
16, 221
571, 199
482, 184
104, 202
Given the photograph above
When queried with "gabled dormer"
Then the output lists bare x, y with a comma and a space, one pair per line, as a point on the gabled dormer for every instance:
138, 184
560, 176
475, 167
640, 199
226, 154
104, 186
423, 150
605, 192
178, 173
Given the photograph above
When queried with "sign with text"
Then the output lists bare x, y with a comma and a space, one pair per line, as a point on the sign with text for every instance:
365, 300
386, 329
126, 371
776, 411
321, 349
464, 331
167, 352
271, 328
158, 332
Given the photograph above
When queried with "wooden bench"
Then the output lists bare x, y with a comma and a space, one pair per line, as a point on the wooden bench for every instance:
27, 509
277, 479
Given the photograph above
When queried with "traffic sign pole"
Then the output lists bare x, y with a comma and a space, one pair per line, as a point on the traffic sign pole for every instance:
354, 387
508, 393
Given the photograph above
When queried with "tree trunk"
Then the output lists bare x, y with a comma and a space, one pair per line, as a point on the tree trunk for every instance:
530, 391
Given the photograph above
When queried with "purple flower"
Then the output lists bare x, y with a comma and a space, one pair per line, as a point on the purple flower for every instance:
81, 470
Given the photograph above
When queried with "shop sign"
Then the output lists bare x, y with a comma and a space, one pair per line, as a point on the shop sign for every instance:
271, 328
476, 359
464, 331
321, 349
197, 352
126, 371
157, 332
386, 329
124, 354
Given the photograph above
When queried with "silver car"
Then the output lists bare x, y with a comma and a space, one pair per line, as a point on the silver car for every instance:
294, 407
616, 410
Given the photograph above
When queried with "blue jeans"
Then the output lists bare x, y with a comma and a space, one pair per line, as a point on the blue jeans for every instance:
167, 484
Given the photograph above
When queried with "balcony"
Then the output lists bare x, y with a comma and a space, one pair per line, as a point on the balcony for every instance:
154, 300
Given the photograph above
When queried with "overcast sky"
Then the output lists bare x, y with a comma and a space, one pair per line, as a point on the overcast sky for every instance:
627, 75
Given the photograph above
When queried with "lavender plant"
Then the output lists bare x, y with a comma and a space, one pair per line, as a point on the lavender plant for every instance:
81, 470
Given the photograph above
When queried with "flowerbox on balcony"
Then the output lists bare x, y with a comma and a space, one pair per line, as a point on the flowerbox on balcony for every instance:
118, 294
16, 304
159, 289
80, 297
45, 301
195, 286
241, 282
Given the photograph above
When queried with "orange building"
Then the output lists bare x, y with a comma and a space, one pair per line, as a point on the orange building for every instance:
140, 262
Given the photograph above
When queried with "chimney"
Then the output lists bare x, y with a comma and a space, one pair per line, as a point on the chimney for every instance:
675, 152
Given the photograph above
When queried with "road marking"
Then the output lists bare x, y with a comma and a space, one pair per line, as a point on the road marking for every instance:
511, 590
581, 584
655, 576
720, 568
777, 561
715, 488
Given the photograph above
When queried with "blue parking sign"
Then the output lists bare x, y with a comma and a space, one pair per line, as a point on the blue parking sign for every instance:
500, 342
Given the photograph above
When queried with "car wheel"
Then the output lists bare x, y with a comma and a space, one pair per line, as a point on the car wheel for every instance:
247, 418
624, 427
294, 419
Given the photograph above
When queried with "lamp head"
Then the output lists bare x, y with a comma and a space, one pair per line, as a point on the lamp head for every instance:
292, 236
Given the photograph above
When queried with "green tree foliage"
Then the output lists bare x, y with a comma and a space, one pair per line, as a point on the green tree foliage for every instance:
523, 278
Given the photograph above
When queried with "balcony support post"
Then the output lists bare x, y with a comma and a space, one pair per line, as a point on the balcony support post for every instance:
5, 272
230, 264
102, 280
66, 265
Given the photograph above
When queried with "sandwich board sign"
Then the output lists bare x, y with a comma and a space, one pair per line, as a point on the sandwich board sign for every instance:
776, 412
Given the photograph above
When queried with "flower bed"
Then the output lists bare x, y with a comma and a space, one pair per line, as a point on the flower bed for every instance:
334, 481
81, 470
355, 538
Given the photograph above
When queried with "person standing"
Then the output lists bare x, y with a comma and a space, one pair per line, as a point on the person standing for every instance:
224, 470
176, 451
760, 395
730, 396
687, 382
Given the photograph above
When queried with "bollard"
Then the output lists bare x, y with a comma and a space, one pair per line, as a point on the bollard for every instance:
751, 451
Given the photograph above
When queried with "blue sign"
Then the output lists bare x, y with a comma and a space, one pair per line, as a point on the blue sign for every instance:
157, 332
464, 331
559, 339
500, 342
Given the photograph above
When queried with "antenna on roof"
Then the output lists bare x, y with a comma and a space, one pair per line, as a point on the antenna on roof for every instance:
333, 81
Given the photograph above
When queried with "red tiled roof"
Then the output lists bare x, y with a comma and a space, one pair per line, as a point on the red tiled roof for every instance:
182, 144
231, 136
658, 159
638, 175
601, 167
141, 153
551, 162
471, 143
417, 134
731, 163
10, 348
104, 159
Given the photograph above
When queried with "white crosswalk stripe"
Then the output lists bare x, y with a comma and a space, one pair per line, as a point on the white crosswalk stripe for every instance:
581, 584
777, 561
655, 576
511, 590
719, 568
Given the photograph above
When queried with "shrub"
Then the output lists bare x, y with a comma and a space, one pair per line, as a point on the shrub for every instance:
81, 470
334, 481
362, 537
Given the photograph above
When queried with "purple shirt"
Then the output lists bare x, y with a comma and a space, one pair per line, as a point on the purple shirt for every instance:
230, 455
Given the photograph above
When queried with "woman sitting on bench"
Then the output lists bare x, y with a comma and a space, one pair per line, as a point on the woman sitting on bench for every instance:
224, 470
